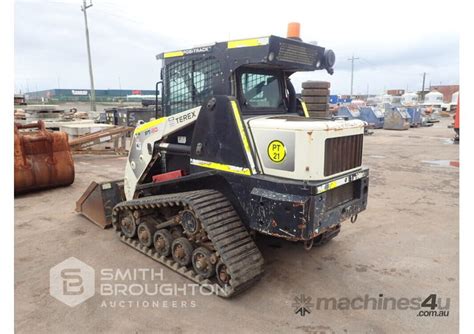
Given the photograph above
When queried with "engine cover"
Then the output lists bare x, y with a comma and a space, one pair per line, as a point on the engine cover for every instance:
307, 149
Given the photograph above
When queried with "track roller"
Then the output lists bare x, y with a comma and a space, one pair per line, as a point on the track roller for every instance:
182, 251
162, 241
145, 231
128, 226
222, 274
204, 262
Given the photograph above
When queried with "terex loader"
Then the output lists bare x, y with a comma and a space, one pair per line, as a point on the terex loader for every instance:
234, 155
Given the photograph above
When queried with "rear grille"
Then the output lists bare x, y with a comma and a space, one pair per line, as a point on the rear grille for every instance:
296, 54
342, 153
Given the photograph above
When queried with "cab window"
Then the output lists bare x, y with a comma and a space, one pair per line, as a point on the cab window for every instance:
261, 90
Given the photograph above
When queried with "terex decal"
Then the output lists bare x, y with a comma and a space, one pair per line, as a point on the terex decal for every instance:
172, 120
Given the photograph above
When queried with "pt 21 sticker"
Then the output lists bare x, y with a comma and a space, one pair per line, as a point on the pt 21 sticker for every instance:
276, 151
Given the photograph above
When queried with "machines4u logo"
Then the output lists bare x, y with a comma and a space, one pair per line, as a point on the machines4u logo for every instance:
302, 305
430, 306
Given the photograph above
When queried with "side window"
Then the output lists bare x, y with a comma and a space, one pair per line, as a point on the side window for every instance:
261, 90
189, 83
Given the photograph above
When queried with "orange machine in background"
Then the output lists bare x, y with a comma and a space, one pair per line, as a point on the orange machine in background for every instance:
43, 158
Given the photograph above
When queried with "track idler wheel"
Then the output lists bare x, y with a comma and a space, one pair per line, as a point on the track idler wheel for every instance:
204, 262
162, 241
145, 233
223, 276
182, 251
189, 222
128, 226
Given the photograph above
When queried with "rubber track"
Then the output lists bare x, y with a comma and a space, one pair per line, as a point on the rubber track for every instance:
224, 228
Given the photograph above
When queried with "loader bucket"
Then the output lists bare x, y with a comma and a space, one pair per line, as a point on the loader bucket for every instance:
98, 201
43, 158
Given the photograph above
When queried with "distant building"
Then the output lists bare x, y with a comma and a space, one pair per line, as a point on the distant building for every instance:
396, 92
446, 90
19, 99
101, 95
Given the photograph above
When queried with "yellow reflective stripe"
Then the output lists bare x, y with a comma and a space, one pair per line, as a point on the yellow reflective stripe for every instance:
305, 110
240, 126
173, 54
339, 182
150, 124
222, 167
243, 43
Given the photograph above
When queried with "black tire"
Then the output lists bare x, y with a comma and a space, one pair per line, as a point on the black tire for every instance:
315, 92
162, 241
316, 84
316, 99
145, 232
202, 263
182, 251
317, 107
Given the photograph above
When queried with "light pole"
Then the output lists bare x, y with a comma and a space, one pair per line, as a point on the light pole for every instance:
352, 72
84, 8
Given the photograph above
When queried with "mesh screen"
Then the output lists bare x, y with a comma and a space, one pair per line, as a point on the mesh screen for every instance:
189, 83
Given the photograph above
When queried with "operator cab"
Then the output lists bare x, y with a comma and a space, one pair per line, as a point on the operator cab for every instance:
255, 71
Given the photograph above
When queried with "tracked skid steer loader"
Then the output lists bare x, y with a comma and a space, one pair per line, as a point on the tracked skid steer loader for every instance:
234, 155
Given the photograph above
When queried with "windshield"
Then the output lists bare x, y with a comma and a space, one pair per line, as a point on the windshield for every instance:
261, 90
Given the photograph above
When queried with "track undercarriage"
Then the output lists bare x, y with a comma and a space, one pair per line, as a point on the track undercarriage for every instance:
197, 234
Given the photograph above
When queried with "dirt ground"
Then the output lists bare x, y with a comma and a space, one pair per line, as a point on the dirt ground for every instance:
405, 245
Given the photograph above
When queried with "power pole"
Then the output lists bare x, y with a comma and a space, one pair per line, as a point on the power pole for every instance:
84, 8
423, 87
352, 72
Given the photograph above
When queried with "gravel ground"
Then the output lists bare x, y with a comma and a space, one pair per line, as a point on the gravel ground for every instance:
405, 245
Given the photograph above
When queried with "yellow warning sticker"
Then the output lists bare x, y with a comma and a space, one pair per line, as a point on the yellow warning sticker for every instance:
276, 151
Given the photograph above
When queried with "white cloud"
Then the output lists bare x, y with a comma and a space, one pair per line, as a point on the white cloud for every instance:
396, 42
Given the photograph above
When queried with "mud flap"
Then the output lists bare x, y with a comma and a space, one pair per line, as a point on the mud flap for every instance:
98, 201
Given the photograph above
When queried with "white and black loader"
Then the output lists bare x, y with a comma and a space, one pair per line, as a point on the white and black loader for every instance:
235, 153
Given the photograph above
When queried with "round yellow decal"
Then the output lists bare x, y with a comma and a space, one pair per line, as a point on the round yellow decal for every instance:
276, 151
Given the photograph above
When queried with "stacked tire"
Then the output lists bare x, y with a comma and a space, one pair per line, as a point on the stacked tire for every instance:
315, 94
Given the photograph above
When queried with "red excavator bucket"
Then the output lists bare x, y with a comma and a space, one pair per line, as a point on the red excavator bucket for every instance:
98, 201
43, 158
